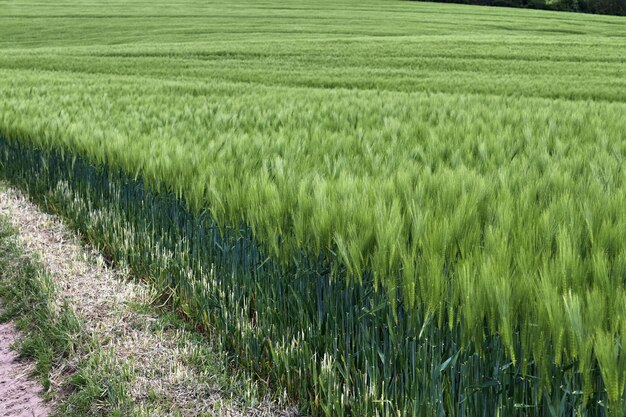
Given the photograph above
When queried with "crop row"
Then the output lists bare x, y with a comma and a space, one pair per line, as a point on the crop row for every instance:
454, 211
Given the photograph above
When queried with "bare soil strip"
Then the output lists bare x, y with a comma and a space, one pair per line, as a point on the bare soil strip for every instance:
20, 395
103, 297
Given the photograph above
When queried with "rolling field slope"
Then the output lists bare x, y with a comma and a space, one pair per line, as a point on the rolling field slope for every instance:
379, 207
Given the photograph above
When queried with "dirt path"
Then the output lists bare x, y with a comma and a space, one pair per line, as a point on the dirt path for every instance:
20, 395
102, 297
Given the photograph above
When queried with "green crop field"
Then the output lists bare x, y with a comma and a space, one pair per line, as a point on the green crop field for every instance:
377, 207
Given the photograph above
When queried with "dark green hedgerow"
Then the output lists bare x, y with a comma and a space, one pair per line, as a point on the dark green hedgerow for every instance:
337, 348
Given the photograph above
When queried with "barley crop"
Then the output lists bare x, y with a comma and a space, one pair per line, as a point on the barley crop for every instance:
380, 208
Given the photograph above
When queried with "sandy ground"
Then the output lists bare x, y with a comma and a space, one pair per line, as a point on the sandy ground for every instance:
20, 395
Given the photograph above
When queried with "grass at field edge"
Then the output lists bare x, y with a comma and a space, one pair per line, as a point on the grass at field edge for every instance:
55, 338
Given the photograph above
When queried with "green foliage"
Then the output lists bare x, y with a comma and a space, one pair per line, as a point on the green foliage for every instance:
455, 177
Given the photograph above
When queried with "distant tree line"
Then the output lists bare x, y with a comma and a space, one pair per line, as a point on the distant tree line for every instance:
613, 7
